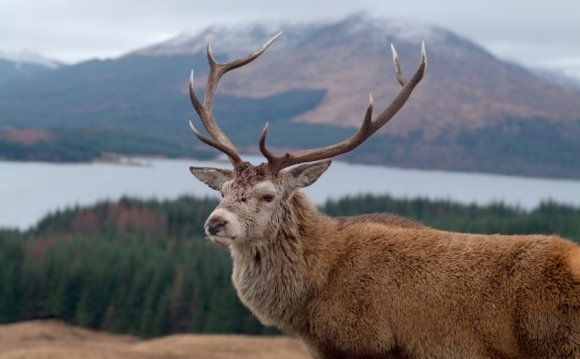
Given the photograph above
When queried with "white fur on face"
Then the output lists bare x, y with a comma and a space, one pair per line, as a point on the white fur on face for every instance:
262, 214
246, 215
265, 186
232, 230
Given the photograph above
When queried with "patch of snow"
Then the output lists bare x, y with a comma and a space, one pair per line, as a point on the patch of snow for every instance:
565, 77
572, 72
402, 30
361, 28
29, 57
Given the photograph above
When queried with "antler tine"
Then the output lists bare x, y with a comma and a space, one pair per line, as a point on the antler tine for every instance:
231, 153
220, 140
217, 70
397, 64
408, 87
289, 159
367, 128
269, 155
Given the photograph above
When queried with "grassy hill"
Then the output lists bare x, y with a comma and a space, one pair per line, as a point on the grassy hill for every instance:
56, 340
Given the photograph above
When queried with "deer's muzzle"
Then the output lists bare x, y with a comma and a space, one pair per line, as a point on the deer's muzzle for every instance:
215, 225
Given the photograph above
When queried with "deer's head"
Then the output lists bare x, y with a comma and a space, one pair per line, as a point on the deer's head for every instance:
256, 197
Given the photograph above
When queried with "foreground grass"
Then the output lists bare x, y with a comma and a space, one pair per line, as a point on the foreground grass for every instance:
52, 340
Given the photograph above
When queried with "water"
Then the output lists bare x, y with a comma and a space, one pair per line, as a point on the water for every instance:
30, 190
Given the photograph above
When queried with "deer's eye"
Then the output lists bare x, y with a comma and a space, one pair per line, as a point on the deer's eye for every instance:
244, 199
268, 198
222, 194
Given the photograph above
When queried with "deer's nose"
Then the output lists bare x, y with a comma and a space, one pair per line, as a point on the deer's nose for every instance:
215, 225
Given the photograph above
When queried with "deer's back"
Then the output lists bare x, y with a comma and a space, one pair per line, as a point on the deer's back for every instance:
387, 219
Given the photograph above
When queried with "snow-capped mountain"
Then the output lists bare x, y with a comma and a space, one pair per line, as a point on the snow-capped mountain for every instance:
465, 85
360, 28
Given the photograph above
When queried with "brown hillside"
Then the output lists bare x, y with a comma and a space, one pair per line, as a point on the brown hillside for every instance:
468, 90
55, 340
465, 86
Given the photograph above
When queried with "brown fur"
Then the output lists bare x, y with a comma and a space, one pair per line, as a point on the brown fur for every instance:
383, 286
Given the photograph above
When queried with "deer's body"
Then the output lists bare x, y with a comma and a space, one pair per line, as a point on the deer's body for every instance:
381, 286
387, 288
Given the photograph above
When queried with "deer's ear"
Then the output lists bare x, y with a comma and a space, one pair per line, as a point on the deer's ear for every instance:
213, 177
305, 175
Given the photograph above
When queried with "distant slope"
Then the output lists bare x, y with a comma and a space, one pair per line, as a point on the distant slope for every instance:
473, 112
558, 78
86, 144
137, 97
24, 64
13, 70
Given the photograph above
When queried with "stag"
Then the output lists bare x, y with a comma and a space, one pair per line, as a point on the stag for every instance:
380, 286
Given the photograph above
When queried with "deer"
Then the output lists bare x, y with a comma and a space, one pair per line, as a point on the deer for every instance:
379, 285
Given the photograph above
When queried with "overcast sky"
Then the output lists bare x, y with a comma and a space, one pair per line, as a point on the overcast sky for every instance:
536, 33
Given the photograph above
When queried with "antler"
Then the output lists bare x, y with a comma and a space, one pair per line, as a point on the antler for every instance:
219, 140
367, 128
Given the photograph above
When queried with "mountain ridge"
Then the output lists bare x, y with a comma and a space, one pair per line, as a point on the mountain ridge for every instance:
491, 87
472, 111
31, 58
242, 37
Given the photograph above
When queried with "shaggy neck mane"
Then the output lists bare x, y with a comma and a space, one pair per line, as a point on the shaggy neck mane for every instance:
276, 276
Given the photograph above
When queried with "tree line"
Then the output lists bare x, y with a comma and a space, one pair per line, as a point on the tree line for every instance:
143, 267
